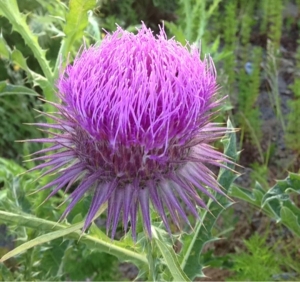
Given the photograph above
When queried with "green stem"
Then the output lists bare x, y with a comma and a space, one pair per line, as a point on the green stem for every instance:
191, 245
151, 276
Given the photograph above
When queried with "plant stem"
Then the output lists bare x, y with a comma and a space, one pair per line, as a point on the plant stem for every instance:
151, 276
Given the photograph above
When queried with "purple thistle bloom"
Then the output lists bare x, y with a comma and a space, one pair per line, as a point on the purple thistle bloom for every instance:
133, 127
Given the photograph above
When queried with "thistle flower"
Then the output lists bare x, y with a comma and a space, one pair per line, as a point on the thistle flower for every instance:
133, 128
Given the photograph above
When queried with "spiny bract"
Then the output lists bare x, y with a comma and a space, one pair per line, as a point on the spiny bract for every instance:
133, 127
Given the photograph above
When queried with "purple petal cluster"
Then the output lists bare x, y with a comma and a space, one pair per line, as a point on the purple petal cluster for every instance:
133, 128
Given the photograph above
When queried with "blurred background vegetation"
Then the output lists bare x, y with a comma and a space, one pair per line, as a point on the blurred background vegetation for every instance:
256, 49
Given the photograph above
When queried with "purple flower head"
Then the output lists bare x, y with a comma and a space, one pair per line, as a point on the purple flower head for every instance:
133, 128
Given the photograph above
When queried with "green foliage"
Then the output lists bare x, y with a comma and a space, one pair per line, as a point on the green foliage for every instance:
271, 262
274, 15
97, 266
130, 13
10, 10
258, 263
275, 8
229, 27
16, 102
260, 173
194, 243
293, 133
76, 22
277, 202
272, 73
264, 7
195, 16
248, 86
35, 29
170, 259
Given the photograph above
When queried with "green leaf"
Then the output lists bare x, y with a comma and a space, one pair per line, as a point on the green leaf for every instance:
76, 23
253, 197
96, 232
10, 10
291, 220
41, 240
4, 48
9, 166
279, 200
176, 31
77, 18
276, 202
91, 242
5, 273
215, 45
18, 58
212, 8
169, 255
283, 188
10, 89
193, 243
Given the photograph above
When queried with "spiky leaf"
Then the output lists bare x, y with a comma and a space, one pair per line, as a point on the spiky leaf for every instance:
193, 243
277, 202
